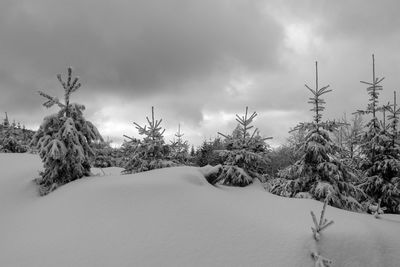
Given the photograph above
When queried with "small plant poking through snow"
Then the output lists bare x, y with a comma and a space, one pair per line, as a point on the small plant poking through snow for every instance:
377, 210
322, 224
320, 261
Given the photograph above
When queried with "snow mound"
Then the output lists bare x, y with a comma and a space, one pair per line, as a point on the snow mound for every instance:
173, 217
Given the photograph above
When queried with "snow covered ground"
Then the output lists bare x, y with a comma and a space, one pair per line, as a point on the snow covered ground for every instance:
173, 217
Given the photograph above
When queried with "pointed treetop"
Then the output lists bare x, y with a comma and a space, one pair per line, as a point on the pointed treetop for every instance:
315, 100
393, 117
244, 126
154, 131
70, 85
373, 90
179, 134
6, 121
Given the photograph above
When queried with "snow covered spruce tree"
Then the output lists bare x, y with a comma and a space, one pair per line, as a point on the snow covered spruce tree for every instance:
179, 148
244, 156
151, 152
319, 173
64, 139
380, 147
207, 153
104, 155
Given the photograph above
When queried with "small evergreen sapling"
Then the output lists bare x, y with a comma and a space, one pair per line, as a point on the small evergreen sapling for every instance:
179, 148
377, 210
152, 152
321, 261
104, 154
64, 139
244, 154
207, 153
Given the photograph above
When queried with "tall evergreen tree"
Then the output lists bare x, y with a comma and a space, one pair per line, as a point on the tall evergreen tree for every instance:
381, 162
319, 173
64, 139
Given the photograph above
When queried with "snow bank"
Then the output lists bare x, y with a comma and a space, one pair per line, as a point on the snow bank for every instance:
173, 217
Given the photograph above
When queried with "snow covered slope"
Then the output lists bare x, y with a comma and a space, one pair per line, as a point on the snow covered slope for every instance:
173, 217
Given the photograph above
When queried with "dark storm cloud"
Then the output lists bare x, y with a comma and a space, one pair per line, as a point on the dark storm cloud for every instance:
138, 46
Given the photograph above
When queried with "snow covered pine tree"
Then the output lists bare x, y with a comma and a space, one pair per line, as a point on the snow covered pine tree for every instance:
381, 164
64, 140
244, 155
319, 173
152, 152
180, 148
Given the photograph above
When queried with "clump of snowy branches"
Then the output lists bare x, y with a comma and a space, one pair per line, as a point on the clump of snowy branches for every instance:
379, 144
244, 156
208, 153
319, 173
151, 152
10, 141
104, 155
13, 138
64, 139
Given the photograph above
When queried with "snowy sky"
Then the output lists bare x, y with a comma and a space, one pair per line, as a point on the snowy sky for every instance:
198, 62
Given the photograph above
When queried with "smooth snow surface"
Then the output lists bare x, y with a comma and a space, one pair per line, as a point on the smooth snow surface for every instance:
173, 217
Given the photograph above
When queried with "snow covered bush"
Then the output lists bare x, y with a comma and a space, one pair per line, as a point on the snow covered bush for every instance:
151, 152
13, 139
244, 156
207, 153
64, 140
104, 155
319, 173
10, 143
381, 150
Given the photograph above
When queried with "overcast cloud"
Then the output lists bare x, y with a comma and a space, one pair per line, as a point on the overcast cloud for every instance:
197, 62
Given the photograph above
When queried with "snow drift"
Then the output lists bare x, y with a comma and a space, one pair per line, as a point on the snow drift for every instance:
173, 217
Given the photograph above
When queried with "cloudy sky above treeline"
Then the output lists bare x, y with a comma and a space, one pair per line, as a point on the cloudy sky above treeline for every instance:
197, 62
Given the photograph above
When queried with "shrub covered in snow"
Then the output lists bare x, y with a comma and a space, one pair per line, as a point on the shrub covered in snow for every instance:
104, 155
14, 138
64, 139
207, 153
